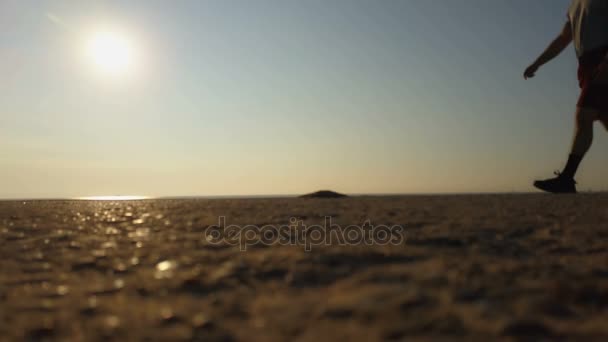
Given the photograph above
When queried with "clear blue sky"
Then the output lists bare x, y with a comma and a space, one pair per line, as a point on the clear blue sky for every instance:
274, 97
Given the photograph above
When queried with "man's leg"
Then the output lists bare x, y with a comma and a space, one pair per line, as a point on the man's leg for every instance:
603, 117
583, 138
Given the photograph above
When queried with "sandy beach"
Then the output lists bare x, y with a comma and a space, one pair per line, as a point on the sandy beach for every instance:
472, 267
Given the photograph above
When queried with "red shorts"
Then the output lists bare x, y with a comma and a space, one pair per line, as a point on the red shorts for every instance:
593, 95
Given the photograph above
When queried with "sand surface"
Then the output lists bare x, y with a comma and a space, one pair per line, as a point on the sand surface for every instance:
469, 267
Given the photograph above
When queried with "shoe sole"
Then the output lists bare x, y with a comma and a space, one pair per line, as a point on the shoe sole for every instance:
540, 187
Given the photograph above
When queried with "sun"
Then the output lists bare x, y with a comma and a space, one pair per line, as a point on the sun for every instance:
111, 52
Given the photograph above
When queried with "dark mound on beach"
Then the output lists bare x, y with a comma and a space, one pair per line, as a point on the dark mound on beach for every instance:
324, 194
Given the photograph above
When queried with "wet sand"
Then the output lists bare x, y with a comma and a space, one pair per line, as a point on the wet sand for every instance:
471, 267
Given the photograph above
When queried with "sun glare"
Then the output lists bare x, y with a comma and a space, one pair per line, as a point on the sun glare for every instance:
113, 198
111, 52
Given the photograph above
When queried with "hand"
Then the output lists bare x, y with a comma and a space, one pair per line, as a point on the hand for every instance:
530, 71
601, 76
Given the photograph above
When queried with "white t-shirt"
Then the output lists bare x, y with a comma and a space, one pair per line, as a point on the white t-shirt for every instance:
589, 21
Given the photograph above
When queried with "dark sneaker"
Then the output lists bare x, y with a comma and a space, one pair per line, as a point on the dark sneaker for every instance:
557, 185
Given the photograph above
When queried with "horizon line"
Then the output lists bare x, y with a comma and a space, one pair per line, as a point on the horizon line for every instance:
261, 196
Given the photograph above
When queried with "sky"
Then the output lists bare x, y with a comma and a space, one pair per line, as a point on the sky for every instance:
239, 97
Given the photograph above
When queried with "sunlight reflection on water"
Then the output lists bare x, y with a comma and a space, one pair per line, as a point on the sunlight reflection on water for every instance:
113, 198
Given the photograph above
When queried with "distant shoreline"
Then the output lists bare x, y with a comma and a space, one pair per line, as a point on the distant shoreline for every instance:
356, 195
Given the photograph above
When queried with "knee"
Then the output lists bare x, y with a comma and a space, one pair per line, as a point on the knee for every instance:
585, 117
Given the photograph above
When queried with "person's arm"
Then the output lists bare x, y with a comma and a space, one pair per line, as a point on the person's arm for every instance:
601, 76
553, 50
601, 73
